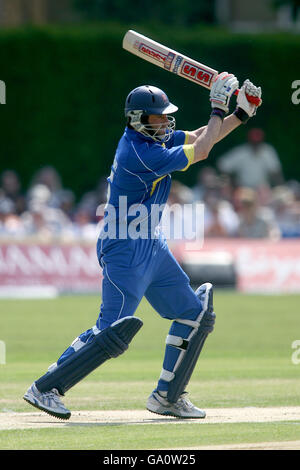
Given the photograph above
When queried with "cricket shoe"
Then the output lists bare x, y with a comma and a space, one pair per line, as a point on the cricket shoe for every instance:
48, 401
183, 408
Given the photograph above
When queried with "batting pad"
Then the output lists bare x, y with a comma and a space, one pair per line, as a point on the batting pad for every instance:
185, 369
109, 343
192, 346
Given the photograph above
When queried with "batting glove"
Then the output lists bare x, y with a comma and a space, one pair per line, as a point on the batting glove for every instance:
221, 91
245, 109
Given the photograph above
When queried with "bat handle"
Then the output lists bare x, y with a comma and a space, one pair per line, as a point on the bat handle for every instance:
252, 99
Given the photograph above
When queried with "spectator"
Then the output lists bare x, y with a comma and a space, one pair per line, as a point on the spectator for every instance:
286, 211
38, 195
92, 199
177, 218
207, 178
294, 186
180, 193
226, 188
220, 219
10, 223
40, 219
254, 164
253, 221
11, 187
84, 227
49, 177
67, 202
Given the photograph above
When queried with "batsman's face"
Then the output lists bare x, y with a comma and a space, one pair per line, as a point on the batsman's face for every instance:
159, 122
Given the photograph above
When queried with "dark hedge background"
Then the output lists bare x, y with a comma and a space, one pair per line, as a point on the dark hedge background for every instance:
66, 89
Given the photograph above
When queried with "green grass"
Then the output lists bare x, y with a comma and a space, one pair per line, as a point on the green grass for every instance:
246, 361
158, 436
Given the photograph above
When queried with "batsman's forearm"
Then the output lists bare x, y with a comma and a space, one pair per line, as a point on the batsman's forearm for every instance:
204, 143
229, 124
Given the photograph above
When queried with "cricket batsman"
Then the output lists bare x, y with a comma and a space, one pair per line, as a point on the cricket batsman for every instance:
136, 266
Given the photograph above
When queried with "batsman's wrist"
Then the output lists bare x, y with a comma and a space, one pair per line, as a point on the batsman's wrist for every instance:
241, 115
218, 112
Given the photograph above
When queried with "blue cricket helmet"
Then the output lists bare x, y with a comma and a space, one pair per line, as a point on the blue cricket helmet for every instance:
150, 100
143, 101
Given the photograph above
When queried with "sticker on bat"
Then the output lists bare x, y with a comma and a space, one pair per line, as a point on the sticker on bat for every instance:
169, 61
178, 61
2, 92
197, 74
151, 52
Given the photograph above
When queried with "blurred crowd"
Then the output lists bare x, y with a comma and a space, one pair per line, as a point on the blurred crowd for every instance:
47, 210
244, 195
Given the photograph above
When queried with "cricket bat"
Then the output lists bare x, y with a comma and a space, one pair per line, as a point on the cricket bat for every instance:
174, 62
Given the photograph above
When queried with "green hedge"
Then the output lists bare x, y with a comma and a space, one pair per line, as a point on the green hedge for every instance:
66, 89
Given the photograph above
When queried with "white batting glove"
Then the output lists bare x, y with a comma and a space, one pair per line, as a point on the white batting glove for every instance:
243, 104
222, 90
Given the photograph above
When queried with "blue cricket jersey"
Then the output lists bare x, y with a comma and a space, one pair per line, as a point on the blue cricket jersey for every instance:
140, 181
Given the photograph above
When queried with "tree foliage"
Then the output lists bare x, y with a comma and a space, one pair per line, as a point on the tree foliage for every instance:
171, 12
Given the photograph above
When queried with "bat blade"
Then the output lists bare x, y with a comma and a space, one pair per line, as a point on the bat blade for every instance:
172, 61
168, 59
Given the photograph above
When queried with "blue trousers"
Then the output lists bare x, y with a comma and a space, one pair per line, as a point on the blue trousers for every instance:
133, 269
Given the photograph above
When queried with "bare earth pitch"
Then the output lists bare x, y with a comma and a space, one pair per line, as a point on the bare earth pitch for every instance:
36, 420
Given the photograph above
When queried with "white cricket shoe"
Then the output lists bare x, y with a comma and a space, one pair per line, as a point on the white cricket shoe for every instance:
47, 401
183, 408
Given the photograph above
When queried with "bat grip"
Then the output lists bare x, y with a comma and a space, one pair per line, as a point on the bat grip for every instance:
252, 99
